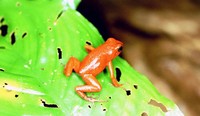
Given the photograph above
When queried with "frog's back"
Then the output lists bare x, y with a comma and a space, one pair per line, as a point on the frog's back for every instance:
94, 63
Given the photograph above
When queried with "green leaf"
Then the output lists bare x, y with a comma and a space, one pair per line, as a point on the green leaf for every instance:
37, 39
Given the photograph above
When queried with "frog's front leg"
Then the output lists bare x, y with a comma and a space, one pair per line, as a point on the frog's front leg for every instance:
114, 80
72, 64
92, 85
89, 48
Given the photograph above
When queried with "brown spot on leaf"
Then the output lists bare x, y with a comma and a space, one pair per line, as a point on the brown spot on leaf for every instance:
160, 105
144, 114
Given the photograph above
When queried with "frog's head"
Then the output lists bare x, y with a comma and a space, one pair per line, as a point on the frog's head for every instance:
114, 46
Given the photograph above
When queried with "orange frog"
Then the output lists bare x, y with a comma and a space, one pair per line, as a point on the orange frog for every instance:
94, 63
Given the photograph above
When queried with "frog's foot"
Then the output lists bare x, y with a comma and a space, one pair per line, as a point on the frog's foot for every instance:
85, 97
91, 99
86, 88
115, 83
92, 85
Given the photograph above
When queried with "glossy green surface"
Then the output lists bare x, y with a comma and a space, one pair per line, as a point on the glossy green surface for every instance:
40, 38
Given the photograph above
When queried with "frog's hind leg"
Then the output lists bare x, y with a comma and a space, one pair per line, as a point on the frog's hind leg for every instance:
92, 85
72, 64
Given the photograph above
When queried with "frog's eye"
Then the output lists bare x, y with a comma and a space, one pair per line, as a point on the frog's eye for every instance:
120, 49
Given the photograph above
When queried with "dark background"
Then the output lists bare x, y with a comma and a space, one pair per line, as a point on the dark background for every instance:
162, 41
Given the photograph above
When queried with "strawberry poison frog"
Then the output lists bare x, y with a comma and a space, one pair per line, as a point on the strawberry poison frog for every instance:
94, 63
